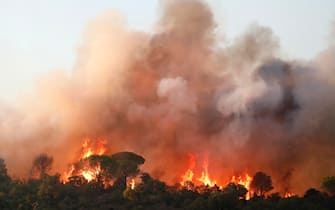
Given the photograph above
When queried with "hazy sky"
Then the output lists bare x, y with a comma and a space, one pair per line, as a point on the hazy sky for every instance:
37, 36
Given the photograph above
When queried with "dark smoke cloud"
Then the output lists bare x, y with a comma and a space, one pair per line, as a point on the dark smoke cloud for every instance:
178, 92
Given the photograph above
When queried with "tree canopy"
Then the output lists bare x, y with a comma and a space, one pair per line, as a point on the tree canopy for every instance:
48, 192
329, 184
127, 166
108, 166
41, 164
261, 183
4, 178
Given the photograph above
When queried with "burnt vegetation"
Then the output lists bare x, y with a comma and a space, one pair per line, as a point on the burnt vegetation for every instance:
110, 189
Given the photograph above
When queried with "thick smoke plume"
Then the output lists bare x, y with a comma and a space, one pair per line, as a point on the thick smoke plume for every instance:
178, 92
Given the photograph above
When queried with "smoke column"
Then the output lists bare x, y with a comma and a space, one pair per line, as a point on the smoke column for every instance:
177, 92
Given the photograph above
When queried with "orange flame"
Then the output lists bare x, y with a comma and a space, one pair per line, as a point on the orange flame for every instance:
90, 173
288, 195
132, 184
87, 172
188, 176
205, 176
245, 181
204, 179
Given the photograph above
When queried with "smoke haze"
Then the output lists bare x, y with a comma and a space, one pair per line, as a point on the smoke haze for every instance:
177, 92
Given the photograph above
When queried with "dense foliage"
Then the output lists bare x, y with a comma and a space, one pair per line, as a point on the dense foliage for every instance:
46, 192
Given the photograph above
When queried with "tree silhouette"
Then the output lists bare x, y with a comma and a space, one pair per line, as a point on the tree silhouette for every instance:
261, 183
128, 166
3, 168
41, 165
236, 189
4, 178
328, 184
48, 192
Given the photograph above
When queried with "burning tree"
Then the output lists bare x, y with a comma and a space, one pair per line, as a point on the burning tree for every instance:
94, 166
98, 168
107, 166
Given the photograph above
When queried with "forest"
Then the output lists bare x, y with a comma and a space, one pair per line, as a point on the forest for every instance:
108, 184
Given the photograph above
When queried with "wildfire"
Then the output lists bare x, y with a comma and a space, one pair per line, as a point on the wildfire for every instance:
88, 149
245, 181
90, 173
204, 179
205, 176
132, 184
188, 176
288, 195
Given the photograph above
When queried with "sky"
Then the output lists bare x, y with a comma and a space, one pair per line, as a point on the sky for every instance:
38, 36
